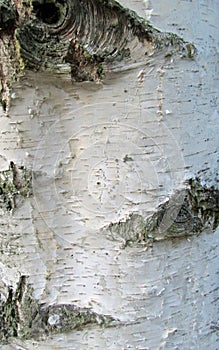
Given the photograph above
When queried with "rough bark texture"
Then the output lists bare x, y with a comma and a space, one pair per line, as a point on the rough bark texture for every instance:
108, 175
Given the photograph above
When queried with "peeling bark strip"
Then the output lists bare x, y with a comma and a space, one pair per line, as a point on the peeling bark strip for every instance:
87, 35
15, 184
187, 213
22, 316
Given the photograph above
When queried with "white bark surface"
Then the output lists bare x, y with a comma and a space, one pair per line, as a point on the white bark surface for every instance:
100, 152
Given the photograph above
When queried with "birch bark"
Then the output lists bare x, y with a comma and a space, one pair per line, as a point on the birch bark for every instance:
101, 158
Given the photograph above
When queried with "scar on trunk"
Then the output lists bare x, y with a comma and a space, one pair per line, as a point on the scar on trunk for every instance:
187, 213
87, 36
21, 315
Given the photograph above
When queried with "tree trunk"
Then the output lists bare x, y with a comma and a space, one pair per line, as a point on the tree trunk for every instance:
108, 183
